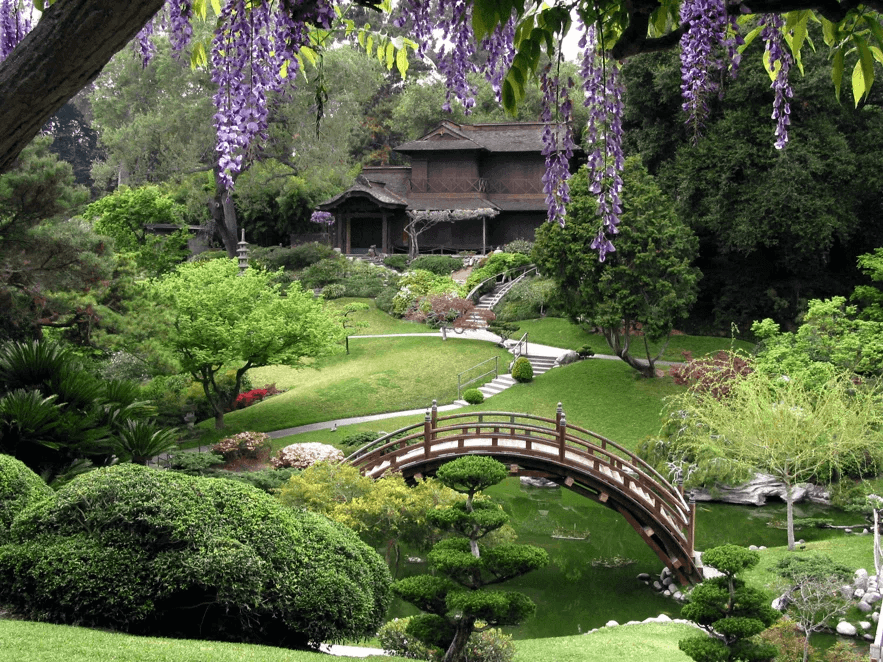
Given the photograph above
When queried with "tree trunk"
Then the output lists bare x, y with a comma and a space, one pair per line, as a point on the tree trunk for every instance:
224, 217
461, 637
219, 420
806, 645
65, 51
789, 502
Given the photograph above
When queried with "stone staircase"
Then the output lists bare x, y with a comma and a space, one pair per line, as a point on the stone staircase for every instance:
540, 364
489, 300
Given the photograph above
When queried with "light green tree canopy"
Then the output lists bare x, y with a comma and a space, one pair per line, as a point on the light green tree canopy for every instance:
795, 431
125, 215
225, 319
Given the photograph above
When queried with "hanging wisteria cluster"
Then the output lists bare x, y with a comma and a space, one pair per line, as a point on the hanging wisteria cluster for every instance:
322, 218
780, 63
255, 49
557, 143
603, 140
14, 25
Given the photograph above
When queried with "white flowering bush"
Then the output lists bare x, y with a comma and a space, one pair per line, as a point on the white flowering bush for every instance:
395, 641
301, 456
245, 445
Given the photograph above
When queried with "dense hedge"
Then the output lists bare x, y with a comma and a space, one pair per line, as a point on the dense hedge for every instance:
151, 551
440, 265
19, 487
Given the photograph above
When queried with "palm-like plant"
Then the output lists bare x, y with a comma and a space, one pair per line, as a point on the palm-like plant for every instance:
140, 440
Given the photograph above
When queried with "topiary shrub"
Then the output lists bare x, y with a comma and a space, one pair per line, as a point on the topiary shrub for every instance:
157, 552
19, 487
397, 262
266, 480
522, 370
473, 396
244, 446
441, 265
324, 272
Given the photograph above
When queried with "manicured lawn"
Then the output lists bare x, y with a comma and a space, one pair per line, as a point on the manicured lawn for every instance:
378, 321
24, 641
656, 642
603, 396
379, 375
559, 332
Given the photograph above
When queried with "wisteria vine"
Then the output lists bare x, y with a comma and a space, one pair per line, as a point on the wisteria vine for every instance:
780, 63
604, 98
557, 143
14, 25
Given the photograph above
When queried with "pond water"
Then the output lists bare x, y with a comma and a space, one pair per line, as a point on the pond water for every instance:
576, 592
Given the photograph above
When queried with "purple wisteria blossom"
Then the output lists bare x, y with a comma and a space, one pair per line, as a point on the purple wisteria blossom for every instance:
603, 140
700, 56
454, 58
780, 63
180, 29
322, 217
557, 144
143, 43
14, 25
248, 56
500, 51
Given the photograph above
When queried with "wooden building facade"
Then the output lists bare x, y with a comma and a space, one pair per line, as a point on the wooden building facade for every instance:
457, 168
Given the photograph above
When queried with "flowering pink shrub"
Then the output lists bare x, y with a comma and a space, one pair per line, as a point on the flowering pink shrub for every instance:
301, 456
248, 398
245, 445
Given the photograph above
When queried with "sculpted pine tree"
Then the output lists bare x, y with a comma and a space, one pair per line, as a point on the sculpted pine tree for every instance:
455, 599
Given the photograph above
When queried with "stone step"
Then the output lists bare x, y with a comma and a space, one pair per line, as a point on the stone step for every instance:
540, 364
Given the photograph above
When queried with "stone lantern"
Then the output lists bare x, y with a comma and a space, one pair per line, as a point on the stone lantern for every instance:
242, 253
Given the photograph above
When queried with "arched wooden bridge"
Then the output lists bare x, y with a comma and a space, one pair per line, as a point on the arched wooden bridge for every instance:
573, 457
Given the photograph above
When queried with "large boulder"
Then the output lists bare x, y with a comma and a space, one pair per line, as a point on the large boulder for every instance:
149, 551
760, 488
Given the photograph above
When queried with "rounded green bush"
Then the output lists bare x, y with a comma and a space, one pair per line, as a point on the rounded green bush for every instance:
473, 396
19, 487
152, 551
397, 262
441, 265
522, 370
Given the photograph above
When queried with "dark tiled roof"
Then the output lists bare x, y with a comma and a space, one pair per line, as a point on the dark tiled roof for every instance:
450, 203
513, 137
363, 187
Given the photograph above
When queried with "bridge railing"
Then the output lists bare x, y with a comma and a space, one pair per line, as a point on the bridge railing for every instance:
549, 438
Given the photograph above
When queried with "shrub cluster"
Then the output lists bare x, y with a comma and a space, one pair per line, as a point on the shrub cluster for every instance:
244, 446
489, 645
397, 262
519, 246
441, 265
301, 456
291, 259
473, 396
529, 299
420, 284
496, 263
360, 438
195, 464
358, 278
522, 370
248, 398
19, 487
334, 291
158, 552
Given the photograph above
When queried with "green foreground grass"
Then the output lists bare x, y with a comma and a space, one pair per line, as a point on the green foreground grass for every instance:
377, 321
25, 641
558, 332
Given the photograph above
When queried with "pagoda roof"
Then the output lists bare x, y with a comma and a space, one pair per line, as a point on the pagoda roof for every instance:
493, 138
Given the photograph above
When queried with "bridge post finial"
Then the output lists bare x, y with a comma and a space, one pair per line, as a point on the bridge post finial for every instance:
559, 413
427, 433
434, 413
562, 436
691, 526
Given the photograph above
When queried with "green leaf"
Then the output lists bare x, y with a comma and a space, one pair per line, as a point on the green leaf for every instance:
509, 98
309, 54
829, 31
216, 5
198, 57
402, 62
877, 53
283, 70
876, 30
863, 74
390, 54
837, 72
199, 8
749, 38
